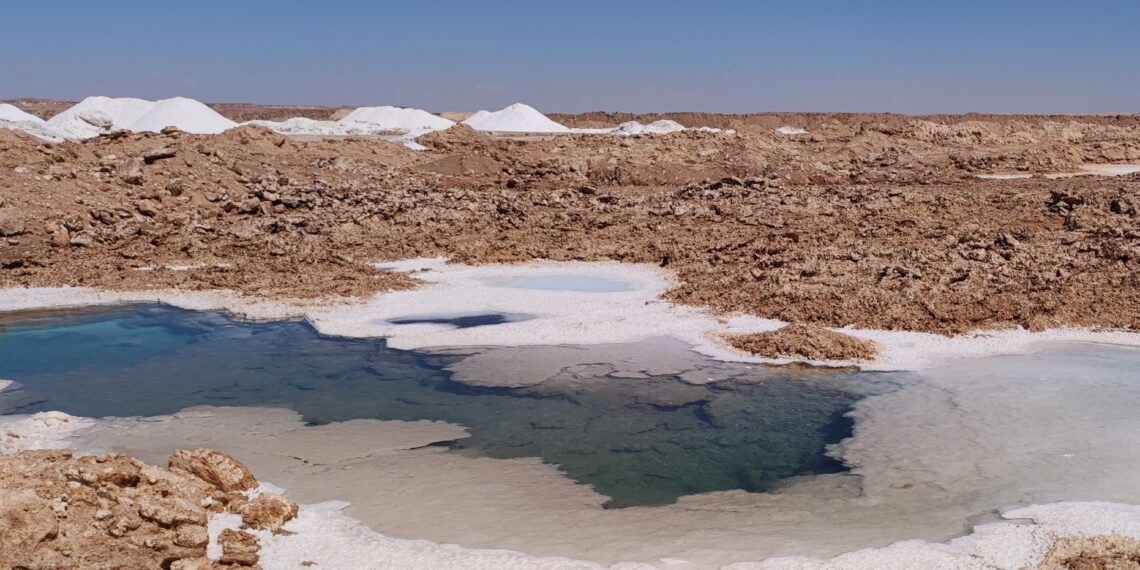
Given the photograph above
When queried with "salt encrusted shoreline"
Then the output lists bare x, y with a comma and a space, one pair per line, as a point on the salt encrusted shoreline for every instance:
560, 317
322, 534
333, 539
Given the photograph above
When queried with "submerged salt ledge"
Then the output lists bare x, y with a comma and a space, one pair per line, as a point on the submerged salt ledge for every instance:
326, 535
1065, 417
560, 316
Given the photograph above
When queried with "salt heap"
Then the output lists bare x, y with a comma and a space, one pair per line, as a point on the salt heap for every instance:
12, 117
184, 114
95, 116
14, 114
661, 127
395, 118
517, 118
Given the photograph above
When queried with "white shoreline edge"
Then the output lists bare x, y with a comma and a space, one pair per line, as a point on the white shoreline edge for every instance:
560, 317
324, 535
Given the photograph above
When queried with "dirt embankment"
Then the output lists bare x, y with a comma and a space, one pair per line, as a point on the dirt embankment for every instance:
60, 511
879, 225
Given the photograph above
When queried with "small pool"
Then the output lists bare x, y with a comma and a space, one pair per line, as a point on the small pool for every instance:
640, 441
580, 283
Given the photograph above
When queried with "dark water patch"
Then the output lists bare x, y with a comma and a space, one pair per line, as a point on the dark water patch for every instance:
464, 321
640, 441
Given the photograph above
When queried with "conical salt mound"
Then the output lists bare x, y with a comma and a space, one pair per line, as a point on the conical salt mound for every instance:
517, 118
395, 118
94, 116
17, 115
183, 114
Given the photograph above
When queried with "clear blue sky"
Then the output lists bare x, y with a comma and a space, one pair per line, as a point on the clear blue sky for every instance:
917, 56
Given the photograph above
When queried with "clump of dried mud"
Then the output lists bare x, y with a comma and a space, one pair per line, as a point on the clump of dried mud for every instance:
799, 340
60, 511
1094, 553
873, 221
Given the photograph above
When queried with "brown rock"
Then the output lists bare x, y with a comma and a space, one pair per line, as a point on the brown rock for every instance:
11, 223
115, 469
201, 563
191, 536
148, 207
26, 521
59, 511
60, 237
238, 547
171, 511
799, 340
269, 511
216, 468
133, 174
156, 154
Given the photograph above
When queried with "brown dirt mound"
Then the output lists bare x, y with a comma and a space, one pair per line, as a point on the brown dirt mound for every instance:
60, 511
459, 135
877, 224
1095, 553
799, 340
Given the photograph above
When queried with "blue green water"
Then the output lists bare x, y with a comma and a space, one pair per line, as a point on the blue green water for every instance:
639, 441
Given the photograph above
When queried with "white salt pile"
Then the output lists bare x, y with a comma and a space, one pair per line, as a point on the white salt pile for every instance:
395, 118
791, 131
184, 114
12, 117
476, 117
16, 115
661, 127
517, 118
95, 116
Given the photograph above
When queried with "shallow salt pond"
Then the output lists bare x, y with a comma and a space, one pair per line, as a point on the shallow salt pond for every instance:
578, 283
640, 439
929, 454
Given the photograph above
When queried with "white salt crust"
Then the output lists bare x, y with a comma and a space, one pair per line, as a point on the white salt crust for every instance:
324, 534
559, 316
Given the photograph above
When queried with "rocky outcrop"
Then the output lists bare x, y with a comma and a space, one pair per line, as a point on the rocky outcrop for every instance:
62, 511
217, 469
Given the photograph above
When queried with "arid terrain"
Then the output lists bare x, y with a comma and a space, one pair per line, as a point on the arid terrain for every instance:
877, 221
112, 511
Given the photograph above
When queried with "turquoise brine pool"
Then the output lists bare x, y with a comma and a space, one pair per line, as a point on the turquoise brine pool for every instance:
639, 441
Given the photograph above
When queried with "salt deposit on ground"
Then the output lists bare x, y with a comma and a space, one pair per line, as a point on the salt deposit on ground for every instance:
402, 125
791, 131
96, 116
184, 114
516, 118
395, 118
661, 127
14, 114
561, 317
1084, 170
